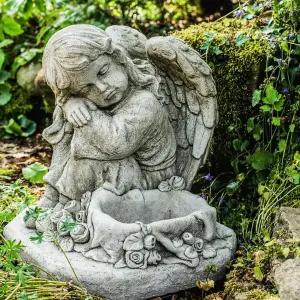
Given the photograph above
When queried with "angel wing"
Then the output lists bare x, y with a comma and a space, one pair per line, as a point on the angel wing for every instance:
190, 98
188, 94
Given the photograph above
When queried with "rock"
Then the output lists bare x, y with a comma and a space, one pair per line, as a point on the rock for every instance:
287, 223
26, 76
287, 279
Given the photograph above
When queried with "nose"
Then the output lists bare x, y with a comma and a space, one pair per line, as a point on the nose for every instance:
101, 86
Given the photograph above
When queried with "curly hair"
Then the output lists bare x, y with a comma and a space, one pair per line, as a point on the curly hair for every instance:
75, 47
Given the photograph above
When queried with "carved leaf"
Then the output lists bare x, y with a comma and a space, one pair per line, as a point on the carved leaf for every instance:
134, 242
209, 252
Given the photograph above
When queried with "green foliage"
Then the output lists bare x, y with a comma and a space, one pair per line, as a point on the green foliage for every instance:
35, 172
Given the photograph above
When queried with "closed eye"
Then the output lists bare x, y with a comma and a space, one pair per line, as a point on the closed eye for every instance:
86, 89
104, 69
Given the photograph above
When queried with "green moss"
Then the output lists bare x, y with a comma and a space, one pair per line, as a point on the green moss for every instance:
19, 104
236, 71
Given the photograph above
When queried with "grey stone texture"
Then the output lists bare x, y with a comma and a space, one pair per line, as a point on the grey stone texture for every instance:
287, 279
287, 274
287, 223
112, 283
132, 126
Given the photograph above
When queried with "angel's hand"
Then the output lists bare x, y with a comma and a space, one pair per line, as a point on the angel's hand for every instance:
77, 111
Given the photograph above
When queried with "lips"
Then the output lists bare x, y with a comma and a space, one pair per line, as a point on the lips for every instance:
109, 95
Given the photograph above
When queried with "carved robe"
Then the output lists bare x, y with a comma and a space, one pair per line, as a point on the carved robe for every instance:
131, 146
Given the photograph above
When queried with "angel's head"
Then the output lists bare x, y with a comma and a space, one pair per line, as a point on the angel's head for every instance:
81, 60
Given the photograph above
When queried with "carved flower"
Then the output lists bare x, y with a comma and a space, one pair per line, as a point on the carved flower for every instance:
65, 225
149, 241
81, 217
80, 233
177, 183
73, 206
56, 216
164, 186
198, 245
190, 252
135, 259
86, 199
154, 257
177, 242
188, 238
43, 223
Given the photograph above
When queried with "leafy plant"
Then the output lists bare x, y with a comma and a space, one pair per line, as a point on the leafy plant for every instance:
35, 172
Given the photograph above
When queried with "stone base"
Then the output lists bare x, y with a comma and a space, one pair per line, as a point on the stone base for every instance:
116, 284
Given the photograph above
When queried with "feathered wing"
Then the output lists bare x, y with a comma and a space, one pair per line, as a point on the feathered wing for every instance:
189, 95
188, 90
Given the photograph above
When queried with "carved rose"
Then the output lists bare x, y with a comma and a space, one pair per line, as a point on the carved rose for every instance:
136, 259
177, 183
149, 242
177, 242
188, 238
190, 252
44, 223
154, 257
81, 217
80, 233
56, 216
198, 245
164, 186
73, 206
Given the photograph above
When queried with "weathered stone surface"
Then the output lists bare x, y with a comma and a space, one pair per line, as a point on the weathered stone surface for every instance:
133, 123
287, 223
117, 284
287, 279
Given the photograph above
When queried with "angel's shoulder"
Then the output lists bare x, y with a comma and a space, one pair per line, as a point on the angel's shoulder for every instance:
144, 98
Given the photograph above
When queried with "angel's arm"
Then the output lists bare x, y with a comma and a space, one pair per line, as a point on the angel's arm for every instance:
115, 137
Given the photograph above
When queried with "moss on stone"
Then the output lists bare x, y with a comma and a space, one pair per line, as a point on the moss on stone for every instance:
236, 71
19, 104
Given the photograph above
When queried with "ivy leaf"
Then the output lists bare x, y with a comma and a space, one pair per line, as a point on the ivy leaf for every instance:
4, 76
23, 59
13, 128
265, 108
35, 172
10, 26
241, 39
279, 105
41, 5
276, 121
232, 187
285, 252
260, 160
5, 94
282, 145
272, 96
257, 131
284, 46
245, 145
237, 143
256, 97
250, 124
28, 126
292, 127
258, 273
2, 58
6, 43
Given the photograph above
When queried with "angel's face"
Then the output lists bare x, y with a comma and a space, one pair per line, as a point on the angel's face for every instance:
104, 82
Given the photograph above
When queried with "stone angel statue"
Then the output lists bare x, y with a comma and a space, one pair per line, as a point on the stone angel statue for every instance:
130, 112
132, 125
